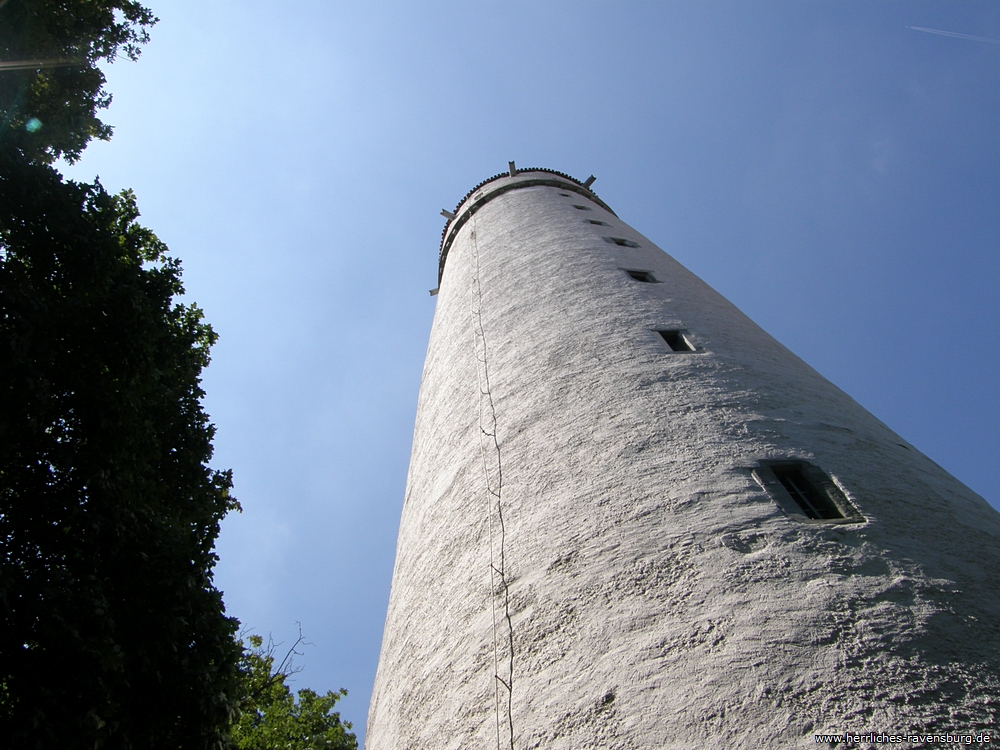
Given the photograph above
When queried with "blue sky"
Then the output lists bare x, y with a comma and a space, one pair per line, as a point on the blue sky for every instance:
829, 170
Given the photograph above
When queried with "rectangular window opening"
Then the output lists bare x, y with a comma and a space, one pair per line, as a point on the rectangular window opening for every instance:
582, 208
677, 341
595, 222
621, 242
643, 276
813, 503
805, 492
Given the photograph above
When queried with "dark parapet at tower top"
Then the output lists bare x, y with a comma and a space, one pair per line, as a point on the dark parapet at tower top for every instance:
512, 179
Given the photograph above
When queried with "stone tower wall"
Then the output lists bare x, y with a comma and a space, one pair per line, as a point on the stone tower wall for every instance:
607, 572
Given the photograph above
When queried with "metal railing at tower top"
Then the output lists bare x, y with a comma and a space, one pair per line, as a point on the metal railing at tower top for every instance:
516, 179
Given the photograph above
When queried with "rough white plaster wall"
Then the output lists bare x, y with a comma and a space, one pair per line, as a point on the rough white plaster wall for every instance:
659, 598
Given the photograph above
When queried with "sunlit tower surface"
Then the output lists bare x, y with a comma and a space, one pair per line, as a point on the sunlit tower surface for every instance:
635, 520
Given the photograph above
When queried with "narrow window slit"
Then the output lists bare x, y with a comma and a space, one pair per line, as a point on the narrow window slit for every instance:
676, 341
643, 276
805, 493
621, 242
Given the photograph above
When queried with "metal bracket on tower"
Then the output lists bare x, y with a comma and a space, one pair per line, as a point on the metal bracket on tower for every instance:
589, 182
447, 214
511, 168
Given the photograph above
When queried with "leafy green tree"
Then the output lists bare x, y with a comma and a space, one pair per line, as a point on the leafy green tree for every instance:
273, 719
50, 85
112, 634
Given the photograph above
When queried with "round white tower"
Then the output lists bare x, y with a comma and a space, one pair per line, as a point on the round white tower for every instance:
635, 520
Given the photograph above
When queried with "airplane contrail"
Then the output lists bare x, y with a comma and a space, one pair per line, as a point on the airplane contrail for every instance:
955, 35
